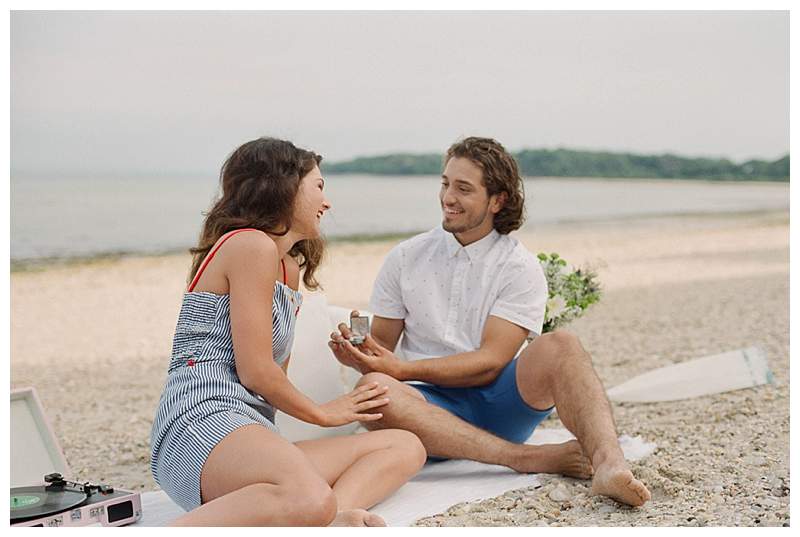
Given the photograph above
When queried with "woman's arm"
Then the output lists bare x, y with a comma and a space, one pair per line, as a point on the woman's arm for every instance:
251, 266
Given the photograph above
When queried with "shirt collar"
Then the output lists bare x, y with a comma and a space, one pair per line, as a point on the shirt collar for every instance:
475, 250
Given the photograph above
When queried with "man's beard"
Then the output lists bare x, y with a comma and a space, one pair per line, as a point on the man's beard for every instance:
472, 223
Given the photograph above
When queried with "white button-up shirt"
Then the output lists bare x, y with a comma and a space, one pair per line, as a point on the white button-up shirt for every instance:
445, 292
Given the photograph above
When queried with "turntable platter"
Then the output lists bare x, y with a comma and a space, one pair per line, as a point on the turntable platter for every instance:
29, 502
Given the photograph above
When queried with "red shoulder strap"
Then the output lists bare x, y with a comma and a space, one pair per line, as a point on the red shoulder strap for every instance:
210, 256
283, 266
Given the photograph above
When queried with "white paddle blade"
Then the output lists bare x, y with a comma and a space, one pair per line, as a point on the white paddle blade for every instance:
734, 370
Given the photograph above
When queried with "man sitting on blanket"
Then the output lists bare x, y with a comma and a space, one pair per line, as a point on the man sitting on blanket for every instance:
465, 297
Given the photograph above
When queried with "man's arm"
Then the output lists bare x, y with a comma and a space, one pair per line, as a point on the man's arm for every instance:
386, 331
500, 342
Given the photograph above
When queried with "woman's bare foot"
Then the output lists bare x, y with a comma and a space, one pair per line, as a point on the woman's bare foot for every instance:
615, 480
357, 518
567, 459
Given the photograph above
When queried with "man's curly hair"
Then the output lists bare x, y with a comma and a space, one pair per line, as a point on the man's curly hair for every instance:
500, 174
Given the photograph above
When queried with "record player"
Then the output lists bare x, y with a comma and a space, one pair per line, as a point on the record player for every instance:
40, 495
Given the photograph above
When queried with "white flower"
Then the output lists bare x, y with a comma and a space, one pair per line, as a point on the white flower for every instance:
555, 307
580, 285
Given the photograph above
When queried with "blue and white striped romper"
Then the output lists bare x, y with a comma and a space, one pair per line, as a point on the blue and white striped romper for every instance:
203, 399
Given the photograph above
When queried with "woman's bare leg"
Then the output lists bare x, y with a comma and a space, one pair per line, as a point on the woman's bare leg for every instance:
363, 469
254, 477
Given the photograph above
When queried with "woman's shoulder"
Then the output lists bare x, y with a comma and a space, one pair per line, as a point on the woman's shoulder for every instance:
248, 248
247, 239
236, 255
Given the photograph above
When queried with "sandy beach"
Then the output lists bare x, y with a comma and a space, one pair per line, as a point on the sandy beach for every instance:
94, 339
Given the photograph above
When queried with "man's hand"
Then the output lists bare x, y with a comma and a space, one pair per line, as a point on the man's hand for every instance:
341, 353
366, 357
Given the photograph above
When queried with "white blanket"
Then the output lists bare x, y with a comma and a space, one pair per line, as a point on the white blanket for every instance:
434, 489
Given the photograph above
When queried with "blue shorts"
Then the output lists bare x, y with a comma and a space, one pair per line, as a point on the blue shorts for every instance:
497, 407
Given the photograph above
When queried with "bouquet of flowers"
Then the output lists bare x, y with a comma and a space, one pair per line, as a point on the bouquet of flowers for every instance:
570, 292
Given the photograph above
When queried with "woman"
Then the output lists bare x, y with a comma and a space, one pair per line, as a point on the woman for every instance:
215, 448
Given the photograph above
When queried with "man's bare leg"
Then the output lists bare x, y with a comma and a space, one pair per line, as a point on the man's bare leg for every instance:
445, 435
555, 369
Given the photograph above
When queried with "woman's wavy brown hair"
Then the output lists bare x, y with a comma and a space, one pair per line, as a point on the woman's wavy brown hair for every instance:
259, 182
500, 174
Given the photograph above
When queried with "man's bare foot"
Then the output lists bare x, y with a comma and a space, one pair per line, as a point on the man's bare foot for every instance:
615, 480
357, 518
567, 459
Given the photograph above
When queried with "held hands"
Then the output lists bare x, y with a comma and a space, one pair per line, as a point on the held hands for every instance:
366, 357
352, 406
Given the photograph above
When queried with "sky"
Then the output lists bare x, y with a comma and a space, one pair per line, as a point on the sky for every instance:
176, 92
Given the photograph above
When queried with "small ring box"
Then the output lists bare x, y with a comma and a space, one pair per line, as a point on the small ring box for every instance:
359, 328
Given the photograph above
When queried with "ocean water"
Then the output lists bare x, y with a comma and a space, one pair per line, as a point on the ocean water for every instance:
86, 216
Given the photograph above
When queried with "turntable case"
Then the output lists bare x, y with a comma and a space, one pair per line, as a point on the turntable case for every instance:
35, 451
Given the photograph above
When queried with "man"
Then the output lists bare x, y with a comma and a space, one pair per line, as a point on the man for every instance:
465, 297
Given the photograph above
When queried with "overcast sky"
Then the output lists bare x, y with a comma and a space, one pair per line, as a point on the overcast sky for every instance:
176, 92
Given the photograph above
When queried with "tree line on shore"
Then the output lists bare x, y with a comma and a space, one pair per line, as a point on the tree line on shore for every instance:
572, 163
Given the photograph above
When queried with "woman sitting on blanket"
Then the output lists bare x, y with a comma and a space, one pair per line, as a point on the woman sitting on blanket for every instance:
215, 448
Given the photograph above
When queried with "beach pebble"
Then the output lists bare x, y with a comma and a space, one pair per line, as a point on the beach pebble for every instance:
768, 502
755, 460
702, 520
458, 510
769, 520
560, 494
780, 492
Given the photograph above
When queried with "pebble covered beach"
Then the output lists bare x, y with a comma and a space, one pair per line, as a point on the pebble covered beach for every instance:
94, 339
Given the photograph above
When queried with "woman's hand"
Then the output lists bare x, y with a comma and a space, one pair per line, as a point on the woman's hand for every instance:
353, 406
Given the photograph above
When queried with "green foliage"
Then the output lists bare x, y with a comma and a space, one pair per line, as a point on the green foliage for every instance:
400, 164
570, 163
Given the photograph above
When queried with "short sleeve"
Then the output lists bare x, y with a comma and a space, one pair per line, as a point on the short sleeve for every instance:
523, 295
387, 298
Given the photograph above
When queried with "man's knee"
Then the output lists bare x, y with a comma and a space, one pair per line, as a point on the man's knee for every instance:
559, 345
561, 339
381, 378
399, 395
396, 388
546, 363
553, 353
